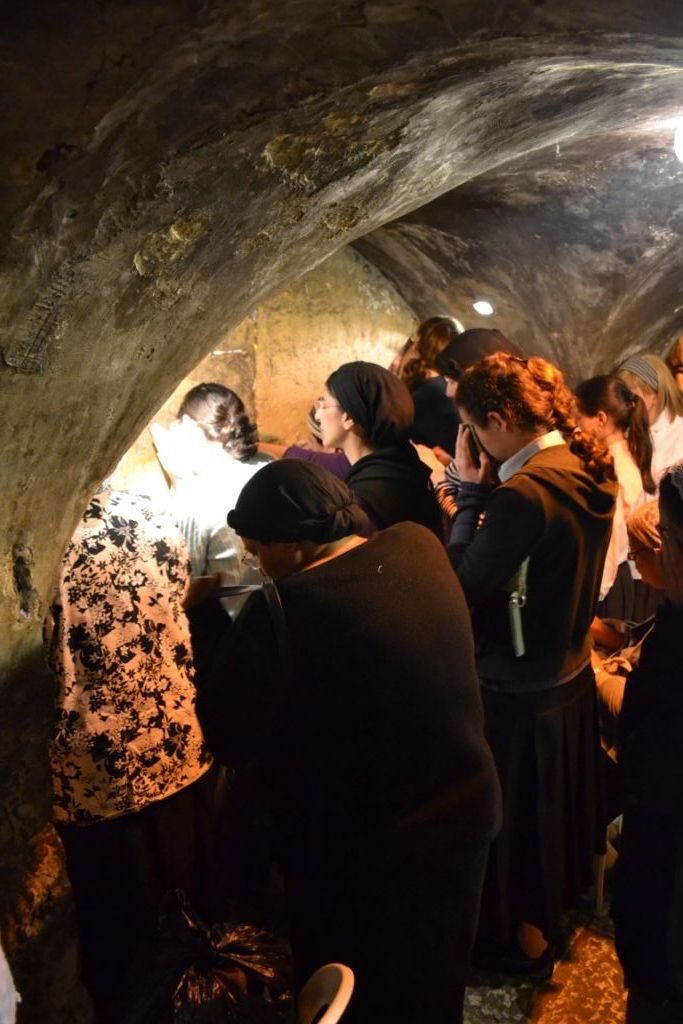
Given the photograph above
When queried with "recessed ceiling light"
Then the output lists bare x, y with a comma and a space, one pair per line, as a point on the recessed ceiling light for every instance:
482, 307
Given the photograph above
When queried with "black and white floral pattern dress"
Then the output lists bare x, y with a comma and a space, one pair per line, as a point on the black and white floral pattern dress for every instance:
127, 733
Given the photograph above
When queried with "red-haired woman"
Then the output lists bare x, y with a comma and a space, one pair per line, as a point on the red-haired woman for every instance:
531, 574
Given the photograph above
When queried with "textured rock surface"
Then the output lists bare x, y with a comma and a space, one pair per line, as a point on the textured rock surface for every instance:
577, 247
278, 358
167, 166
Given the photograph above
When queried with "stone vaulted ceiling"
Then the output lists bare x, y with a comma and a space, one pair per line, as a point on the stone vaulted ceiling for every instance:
167, 165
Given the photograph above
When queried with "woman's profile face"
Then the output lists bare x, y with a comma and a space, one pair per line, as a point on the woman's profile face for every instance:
649, 398
276, 559
648, 562
330, 416
498, 438
599, 426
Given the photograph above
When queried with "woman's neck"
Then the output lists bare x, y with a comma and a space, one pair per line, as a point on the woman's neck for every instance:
355, 447
613, 436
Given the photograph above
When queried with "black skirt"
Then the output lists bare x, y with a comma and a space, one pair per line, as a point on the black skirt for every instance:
547, 752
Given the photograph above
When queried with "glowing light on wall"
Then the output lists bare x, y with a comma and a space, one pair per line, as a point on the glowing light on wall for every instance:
482, 307
678, 142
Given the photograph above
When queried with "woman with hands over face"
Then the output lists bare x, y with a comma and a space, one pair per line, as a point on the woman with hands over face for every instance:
529, 556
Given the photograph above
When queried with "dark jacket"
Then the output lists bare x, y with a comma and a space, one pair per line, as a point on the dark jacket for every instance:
555, 512
392, 485
380, 720
436, 418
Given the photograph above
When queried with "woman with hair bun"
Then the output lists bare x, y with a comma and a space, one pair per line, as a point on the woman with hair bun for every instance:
209, 453
650, 377
617, 416
531, 575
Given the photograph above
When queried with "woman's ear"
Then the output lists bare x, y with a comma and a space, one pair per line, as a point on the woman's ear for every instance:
346, 421
498, 422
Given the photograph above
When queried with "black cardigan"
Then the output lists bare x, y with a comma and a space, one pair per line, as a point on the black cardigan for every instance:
555, 512
380, 721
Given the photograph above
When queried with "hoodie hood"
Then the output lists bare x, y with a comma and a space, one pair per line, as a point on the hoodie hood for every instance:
564, 476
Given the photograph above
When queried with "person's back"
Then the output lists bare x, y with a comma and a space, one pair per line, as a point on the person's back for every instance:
128, 757
648, 899
367, 719
384, 663
554, 510
126, 731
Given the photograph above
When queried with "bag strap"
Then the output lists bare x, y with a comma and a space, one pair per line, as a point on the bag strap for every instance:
277, 617
516, 588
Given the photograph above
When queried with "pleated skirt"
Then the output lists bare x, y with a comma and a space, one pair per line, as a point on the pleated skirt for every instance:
547, 752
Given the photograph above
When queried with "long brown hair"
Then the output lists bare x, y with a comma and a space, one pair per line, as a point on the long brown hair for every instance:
531, 395
432, 337
610, 394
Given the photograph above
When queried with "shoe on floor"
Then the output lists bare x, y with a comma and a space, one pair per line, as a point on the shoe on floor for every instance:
515, 962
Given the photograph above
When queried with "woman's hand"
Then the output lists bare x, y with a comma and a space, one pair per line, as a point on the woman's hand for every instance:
467, 468
442, 455
200, 588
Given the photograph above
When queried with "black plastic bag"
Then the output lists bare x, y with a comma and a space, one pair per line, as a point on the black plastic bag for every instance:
219, 974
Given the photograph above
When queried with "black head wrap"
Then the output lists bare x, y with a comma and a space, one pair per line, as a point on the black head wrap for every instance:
294, 500
469, 347
376, 400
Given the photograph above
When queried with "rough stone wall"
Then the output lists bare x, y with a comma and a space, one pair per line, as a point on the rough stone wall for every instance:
341, 311
168, 166
279, 356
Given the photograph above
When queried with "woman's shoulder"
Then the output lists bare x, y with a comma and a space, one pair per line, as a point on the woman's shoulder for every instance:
411, 543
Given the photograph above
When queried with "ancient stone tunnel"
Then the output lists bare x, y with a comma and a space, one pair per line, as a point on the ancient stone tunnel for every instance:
168, 166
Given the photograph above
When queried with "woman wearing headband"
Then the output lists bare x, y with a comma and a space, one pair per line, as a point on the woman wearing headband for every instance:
531, 574
648, 905
366, 716
649, 377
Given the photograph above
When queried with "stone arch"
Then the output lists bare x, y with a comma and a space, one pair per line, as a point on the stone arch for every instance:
211, 180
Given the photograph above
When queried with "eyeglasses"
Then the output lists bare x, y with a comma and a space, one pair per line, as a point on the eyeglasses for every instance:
320, 403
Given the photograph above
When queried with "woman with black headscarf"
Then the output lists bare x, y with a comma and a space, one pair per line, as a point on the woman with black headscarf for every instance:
367, 412
366, 715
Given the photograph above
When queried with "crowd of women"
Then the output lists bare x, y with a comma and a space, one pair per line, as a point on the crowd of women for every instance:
409, 701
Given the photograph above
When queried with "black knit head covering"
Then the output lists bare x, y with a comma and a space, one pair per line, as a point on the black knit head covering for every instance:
376, 400
469, 347
292, 500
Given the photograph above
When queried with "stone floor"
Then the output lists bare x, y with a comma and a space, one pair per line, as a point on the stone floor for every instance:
586, 987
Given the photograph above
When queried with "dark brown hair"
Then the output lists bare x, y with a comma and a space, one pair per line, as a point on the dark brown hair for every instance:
531, 395
432, 337
220, 413
611, 395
